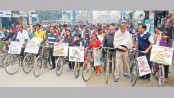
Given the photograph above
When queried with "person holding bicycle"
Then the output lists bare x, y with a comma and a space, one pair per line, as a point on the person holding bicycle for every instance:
69, 39
144, 42
122, 42
167, 42
95, 43
108, 42
39, 32
22, 36
50, 39
10, 37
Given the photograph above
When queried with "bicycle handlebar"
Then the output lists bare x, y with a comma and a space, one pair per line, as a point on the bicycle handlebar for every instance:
109, 48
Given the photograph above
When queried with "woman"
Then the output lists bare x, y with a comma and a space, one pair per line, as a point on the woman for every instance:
95, 44
70, 40
167, 42
157, 34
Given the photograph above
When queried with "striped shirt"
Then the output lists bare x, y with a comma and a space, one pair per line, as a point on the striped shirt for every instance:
52, 38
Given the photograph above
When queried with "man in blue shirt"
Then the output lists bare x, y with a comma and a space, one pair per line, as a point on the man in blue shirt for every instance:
50, 39
144, 42
76, 31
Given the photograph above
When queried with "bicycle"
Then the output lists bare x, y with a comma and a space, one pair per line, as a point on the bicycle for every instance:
40, 61
134, 68
12, 63
159, 68
108, 61
87, 65
60, 62
77, 69
28, 62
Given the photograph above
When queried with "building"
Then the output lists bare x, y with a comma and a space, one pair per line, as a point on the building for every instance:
10, 18
85, 17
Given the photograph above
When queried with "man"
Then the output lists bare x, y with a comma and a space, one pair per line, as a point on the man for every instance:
144, 43
122, 42
22, 37
86, 34
76, 31
63, 33
107, 29
55, 30
12, 36
108, 42
51, 39
169, 24
39, 33
5, 31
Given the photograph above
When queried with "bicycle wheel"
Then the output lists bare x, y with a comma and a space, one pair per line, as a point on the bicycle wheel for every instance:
50, 61
11, 64
59, 65
38, 66
86, 71
161, 76
76, 69
107, 70
28, 63
134, 73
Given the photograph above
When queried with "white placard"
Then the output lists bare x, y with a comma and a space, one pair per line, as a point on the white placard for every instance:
76, 54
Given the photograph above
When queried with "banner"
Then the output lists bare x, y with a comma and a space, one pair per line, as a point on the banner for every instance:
97, 57
162, 55
33, 45
15, 47
60, 49
143, 66
76, 54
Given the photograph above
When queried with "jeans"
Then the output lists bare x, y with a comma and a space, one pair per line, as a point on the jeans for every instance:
166, 70
71, 65
52, 57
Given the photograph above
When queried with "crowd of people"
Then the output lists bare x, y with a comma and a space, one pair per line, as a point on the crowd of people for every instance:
118, 36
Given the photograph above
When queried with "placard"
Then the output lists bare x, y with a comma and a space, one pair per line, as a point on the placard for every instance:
143, 66
15, 47
162, 55
97, 57
76, 54
60, 49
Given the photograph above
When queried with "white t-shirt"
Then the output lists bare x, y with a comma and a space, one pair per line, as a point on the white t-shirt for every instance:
22, 36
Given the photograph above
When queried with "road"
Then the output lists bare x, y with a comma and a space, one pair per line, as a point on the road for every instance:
48, 78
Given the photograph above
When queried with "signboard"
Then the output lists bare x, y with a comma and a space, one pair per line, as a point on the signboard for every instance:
97, 57
143, 66
76, 54
162, 55
5, 14
15, 47
60, 49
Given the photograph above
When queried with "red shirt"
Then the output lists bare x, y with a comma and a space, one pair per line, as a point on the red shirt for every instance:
95, 44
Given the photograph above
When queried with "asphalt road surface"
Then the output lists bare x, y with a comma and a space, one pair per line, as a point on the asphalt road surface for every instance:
49, 78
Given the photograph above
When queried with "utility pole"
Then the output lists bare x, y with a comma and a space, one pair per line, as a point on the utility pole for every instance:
30, 20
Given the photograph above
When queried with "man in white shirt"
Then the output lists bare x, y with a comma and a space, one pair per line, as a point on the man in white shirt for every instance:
22, 37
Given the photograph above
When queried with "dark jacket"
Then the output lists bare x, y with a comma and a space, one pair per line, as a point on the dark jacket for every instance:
108, 40
10, 36
85, 43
